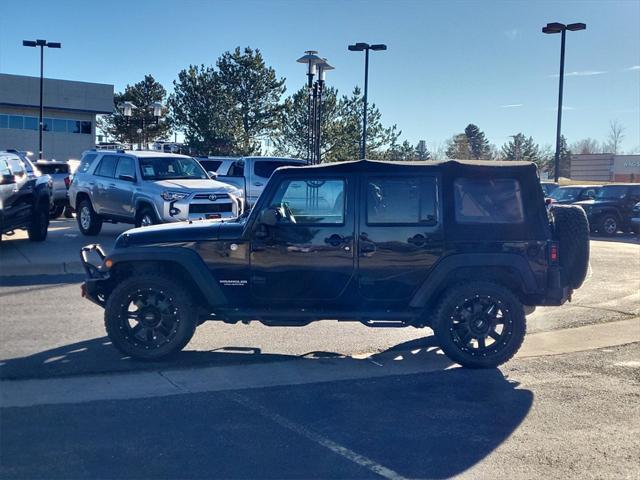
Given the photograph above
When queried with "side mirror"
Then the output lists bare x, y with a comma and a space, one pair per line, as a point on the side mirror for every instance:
7, 179
213, 175
127, 178
269, 217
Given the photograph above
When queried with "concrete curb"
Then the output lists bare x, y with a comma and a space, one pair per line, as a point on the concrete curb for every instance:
31, 269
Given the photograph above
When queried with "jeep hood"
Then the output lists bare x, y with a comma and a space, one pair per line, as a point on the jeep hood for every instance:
181, 232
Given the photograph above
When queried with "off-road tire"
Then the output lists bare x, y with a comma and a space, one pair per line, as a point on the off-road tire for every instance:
39, 225
56, 211
571, 230
146, 212
605, 223
121, 296
89, 222
445, 327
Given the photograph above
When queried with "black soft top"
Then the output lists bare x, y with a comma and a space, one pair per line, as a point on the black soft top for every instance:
534, 227
455, 167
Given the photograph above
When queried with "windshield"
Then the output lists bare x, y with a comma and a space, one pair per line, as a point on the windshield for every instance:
562, 194
171, 168
612, 192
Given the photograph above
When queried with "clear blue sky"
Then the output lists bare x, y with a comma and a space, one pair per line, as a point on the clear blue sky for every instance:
449, 63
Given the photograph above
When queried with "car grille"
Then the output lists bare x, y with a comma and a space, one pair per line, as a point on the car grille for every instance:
210, 207
205, 196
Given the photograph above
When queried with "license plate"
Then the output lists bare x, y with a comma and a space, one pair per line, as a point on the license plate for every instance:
211, 216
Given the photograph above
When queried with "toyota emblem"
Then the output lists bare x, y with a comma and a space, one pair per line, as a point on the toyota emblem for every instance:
213, 198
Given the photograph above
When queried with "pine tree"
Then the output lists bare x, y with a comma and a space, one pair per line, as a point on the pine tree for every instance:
458, 147
521, 148
143, 95
479, 147
422, 153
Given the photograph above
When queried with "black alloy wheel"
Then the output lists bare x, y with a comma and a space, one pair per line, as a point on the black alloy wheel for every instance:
480, 324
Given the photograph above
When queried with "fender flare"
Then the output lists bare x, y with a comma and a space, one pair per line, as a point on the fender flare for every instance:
187, 259
448, 265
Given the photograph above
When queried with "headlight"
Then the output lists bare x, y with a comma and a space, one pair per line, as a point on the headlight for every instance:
173, 196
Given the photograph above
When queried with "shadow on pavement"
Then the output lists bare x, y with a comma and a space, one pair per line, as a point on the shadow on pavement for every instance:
426, 425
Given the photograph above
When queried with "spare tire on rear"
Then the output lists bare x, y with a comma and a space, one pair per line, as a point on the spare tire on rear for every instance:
571, 230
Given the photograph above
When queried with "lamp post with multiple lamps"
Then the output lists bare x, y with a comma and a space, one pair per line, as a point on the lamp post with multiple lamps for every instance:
359, 47
561, 28
127, 112
41, 44
315, 66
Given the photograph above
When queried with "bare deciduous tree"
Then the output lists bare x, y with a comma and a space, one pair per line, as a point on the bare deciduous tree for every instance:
616, 134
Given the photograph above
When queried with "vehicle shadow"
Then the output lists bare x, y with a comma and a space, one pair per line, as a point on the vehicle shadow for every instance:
418, 424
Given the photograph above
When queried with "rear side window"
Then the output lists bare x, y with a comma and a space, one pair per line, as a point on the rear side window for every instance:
402, 200
479, 200
265, 169
107, 167
211, 165
52, 169
86, 162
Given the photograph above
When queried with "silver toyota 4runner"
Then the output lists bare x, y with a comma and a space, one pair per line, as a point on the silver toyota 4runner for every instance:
145, 188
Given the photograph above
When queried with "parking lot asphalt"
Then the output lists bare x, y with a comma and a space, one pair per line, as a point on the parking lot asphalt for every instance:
567, 416
58, 254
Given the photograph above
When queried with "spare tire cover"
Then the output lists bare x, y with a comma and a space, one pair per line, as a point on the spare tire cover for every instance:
571, 230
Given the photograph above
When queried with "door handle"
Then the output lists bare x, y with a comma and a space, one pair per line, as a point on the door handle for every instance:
258, 184
418, 240
366, 245
334, 240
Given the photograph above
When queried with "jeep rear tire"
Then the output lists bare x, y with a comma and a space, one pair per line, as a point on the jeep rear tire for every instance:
89, 222
479, 324
571, 230
39, 225
150, 316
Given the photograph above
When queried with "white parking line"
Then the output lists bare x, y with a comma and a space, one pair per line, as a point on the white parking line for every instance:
319, 439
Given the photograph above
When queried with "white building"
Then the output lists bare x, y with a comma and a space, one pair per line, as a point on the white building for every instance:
70, 110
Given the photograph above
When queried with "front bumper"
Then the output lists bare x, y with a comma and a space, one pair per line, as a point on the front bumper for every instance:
200, 207
95, 276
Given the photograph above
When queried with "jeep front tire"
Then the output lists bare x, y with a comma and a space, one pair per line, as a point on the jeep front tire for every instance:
150, 316
479, 324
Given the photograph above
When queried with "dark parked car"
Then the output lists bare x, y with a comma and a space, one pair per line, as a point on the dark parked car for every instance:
548, 187
611, 210
574, 193
465, 248
25, 197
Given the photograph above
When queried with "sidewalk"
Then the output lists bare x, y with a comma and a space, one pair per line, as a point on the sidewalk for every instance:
58, 254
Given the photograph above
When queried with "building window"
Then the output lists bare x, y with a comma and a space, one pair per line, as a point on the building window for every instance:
15, 121
30, 123
60, 125
73, 126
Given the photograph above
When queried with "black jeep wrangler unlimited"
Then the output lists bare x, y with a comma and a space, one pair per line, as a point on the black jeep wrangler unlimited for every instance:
465, 248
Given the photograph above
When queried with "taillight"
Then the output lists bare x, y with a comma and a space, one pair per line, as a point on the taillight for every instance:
67, 182
554, 252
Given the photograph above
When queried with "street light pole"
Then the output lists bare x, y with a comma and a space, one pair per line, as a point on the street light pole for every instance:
310, 58
561, 28
359, 47
41, 44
